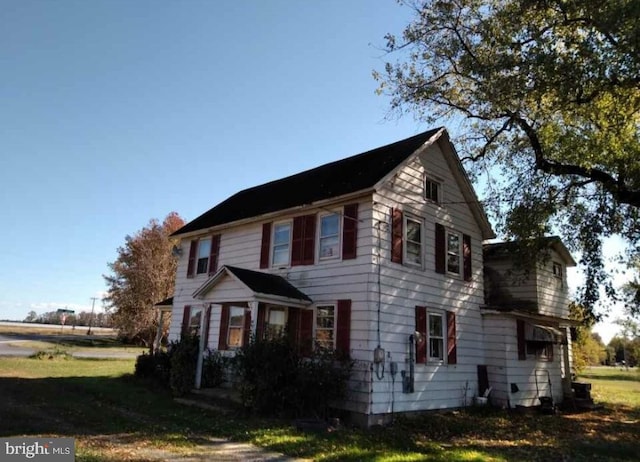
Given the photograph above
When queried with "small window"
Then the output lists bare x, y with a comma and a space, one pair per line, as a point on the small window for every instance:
236, 327
432, 190
539, 342
557, 273
281, 244
204, 250
329, 236
453, 253
435, 326
195, 321
276, 322
413, 241
325, 322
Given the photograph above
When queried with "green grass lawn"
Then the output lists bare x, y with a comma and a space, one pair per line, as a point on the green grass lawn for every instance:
112, 416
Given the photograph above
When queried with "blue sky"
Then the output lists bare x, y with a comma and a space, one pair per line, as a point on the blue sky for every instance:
116, 112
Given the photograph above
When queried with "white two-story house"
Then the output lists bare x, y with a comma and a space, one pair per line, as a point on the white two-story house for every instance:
380, 256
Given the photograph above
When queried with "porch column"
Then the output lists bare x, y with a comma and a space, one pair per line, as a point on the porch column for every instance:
253, 306
160, 320
566, 362
203, 323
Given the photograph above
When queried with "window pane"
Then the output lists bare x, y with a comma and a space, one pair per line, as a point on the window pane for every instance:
281, 256
203, 265
281, 234
194, 321
453, 243
413, 252
325, 311
453, 264
235, 337
413, 231
329, 246
330, 225
435, 348
453, 253
204, 248
236, 317
435, 325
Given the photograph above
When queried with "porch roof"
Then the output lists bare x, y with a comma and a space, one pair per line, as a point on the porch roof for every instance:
257, 285
165, 305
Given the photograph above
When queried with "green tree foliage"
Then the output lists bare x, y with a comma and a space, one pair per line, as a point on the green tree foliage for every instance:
142, 275
547, 96
587, 346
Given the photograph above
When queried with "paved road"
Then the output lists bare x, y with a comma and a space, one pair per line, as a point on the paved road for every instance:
10, 346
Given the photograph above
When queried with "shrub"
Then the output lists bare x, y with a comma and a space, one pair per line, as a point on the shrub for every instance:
276, 380
184, 357
155, 367
213, 369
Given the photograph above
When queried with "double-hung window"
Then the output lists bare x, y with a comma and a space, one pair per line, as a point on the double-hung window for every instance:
432, 190
236, 327
325, 322
329, 236
435, 329
281, 244
453, 252
204, 250
276, 322
413, 241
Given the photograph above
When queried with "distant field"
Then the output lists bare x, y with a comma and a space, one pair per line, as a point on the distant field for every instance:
48, 329
614, 385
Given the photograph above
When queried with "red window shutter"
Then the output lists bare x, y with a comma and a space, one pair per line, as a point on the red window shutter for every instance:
224, 328
293, 324
466, 257
343, 327
246, 336
303, 240
309, 240
421, 329
207, 322
265, 247
522, 346
191, 265
349, 231
396, 236
452, 350
262, 313
305, 332
441, 253
297, 237
213, 255
186, 316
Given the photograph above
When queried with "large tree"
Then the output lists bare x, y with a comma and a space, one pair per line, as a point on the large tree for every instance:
545, 97
142, 275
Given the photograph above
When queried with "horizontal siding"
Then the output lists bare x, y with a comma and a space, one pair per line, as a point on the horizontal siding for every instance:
401, 287
553, 292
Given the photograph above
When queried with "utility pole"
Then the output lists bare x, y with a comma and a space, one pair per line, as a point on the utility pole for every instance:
93, 304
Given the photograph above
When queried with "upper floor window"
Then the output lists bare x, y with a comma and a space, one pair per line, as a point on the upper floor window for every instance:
413, 240
435, 348
453, 252
329, 236
236, 327
432, 190
325, 322
204, 250
281, 244
557, 273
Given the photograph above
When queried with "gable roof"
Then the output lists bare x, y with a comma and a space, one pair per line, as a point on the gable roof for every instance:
507, 249
263, 285
335, 179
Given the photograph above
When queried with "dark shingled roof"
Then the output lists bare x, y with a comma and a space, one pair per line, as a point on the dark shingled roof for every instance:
265, 283
165, 302
335, 179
